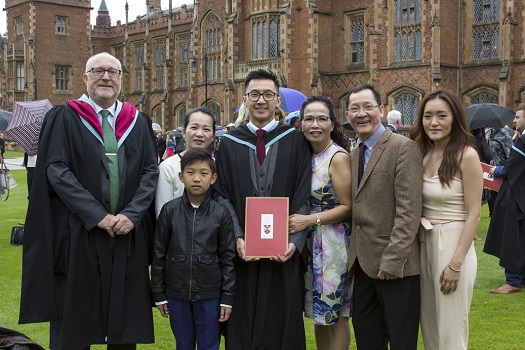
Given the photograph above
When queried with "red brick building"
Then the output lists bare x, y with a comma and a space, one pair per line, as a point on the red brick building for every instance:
175, 59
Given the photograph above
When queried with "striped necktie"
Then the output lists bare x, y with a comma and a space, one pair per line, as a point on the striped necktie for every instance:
110, 144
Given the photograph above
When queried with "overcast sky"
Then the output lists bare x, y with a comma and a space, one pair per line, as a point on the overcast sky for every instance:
116, 10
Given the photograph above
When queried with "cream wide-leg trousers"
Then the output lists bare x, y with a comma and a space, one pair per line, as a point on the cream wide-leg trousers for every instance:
444, 318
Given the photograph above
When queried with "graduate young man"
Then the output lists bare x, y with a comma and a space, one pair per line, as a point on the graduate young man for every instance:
266, 158
88, 226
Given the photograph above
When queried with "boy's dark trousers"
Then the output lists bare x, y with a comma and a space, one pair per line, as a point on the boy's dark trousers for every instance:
195, 322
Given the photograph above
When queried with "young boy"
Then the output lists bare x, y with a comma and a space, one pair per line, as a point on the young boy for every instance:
192, 274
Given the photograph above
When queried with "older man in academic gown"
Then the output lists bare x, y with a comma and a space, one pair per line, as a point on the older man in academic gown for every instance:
86, 250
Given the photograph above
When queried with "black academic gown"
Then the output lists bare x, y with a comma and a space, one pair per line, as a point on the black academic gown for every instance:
73, 271
506, 234
267, 312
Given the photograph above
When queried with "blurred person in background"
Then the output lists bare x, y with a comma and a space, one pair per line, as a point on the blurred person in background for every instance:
500, 144
160, 146
395, 120
2, 145
507, 225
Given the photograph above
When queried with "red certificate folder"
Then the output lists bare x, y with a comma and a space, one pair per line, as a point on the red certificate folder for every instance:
266, 231
490, 182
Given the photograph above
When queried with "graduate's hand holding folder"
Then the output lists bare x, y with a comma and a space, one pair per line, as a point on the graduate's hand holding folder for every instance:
266, 231
489, 181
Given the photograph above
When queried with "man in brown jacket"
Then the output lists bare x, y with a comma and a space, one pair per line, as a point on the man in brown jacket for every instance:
384, 249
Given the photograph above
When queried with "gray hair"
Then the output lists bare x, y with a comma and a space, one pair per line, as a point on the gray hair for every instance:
393, 116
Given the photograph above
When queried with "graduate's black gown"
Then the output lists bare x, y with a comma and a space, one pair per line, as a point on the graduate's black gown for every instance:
506, 234
72, 270
267, 312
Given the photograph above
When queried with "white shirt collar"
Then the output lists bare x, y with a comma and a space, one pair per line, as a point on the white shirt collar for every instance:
114, 109
268, 127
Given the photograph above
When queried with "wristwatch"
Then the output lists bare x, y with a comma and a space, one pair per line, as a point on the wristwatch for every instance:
318, 221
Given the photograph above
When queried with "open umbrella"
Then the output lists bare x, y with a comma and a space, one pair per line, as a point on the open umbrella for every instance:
156, 127
291, 115
5, 116
26, 122
176, 133
291, 100
488, 115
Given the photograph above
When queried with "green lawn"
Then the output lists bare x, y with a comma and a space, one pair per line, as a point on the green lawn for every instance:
496, 320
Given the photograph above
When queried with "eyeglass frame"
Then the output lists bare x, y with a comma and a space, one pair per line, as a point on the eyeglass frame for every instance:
261, 94
316, 119
366, 108
105, 70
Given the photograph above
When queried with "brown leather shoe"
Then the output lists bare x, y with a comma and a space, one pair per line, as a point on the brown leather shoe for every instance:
505, 289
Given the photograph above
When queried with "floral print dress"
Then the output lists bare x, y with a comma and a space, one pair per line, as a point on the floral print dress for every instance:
327, 281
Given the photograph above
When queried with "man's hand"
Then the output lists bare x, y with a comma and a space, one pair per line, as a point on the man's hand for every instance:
383, 275
225, 313
241, 250
105, 224
297, 222
164, 309
287, 254
121, 225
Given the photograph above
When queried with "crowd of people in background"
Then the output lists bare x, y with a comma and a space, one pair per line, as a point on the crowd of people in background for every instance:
381, 233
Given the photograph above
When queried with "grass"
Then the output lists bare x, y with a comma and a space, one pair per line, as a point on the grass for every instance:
496, 321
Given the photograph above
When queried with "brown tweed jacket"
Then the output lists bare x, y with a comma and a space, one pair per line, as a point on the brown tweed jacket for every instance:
386, 208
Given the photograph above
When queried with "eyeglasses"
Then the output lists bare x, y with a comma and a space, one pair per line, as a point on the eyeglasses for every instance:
356, 109
99, 72
320, 120
255, 96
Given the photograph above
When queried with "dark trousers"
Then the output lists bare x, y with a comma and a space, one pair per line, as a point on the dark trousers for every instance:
514, 279
195, 322
492, 201
55, 330
386, 311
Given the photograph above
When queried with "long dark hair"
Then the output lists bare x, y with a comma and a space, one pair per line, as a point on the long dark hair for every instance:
460, 136
338, 135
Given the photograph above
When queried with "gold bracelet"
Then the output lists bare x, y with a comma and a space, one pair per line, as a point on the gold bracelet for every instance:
453, 269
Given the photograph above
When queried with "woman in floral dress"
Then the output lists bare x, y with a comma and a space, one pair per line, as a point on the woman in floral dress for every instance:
328, 283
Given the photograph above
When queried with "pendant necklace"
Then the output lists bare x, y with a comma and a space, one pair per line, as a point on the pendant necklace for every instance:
329, 144
441, 156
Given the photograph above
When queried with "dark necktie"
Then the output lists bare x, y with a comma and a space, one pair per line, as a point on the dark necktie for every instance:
361, 170
259, 147
110, 144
